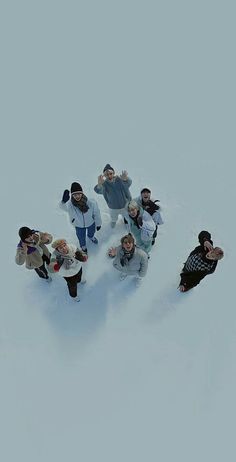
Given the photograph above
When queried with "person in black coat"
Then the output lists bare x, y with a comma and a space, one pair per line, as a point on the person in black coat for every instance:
201, 262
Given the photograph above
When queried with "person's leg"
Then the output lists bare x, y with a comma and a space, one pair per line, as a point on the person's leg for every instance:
91, 232
81, 234
125, 215
190, 280
42, 272
154, 236
72, 285
146, 246
114, 213
46, 259
123, 276
78, 276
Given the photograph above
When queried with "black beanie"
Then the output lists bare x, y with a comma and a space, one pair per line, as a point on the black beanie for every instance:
76, 188
108, 167
25, 232
146, 190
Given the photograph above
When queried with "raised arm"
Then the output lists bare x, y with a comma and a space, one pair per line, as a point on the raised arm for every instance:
21, 252
99, 186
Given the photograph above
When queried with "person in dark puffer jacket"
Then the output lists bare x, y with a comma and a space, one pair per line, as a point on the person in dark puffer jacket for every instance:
201, 262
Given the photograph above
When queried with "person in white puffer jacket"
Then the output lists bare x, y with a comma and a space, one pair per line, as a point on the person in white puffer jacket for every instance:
84, 214
141, 225
150, 205
66, 261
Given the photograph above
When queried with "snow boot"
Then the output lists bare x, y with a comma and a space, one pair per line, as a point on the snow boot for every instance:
138, 281
76, 299
93, 239
123, 276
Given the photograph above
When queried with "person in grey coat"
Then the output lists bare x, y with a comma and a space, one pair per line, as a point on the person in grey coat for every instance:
115, 190
129, 260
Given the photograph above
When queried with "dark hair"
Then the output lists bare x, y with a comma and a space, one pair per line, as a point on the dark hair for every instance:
25, 232
127, 237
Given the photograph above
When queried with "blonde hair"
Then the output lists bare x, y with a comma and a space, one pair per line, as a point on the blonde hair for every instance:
133, 205
58, 242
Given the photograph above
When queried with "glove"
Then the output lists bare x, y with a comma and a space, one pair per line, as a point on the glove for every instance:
66, 196
140, 222
98, 227
56, 267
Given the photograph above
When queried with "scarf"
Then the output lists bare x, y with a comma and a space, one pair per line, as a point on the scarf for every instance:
82, 204
126, 256
135, 219
150, 206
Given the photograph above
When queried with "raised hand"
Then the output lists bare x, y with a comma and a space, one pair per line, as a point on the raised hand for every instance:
66, 196
112, 252
124, 175
101, 180
24, 246
208, 246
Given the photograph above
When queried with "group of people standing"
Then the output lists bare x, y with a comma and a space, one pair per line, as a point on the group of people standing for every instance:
141, 218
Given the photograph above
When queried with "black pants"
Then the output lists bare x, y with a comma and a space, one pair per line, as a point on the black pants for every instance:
72, 282
190, 280
154, 236
41, 271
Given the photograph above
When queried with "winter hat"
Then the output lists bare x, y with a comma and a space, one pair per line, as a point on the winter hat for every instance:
145, 190
108, 167
127, 237
58, 242
76, 188
25, 232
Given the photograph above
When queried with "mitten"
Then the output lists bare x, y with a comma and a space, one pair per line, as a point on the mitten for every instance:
98, 227
66, 196
56, 267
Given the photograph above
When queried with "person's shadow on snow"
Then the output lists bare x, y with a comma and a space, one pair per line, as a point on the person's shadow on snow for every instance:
165, 304
76, 322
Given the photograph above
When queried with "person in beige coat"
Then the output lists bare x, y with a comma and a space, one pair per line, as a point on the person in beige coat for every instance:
32, 251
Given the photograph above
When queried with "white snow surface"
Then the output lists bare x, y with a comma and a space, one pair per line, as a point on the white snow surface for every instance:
127, 374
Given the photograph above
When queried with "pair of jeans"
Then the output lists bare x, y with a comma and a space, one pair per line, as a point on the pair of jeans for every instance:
72, 282
81, 234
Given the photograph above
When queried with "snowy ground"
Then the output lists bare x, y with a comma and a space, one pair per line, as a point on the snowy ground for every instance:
128, 374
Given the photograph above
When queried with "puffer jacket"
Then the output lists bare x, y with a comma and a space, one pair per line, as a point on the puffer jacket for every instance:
152, 208
136, 266
116, 193
67, 265
80, 219
33, 257
143, 235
